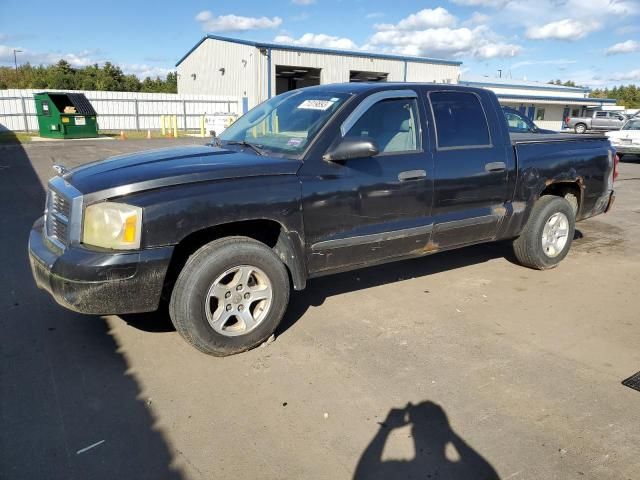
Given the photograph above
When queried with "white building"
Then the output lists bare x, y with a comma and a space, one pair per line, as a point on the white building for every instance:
547, 105
256, 71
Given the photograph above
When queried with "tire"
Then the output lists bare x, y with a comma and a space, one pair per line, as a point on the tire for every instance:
573, 201
206, 284
580, 128
528, 247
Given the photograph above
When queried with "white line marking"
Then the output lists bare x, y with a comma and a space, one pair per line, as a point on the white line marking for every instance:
89, 447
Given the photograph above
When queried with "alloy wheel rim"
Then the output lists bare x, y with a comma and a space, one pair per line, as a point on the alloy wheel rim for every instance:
238, 300
555, 234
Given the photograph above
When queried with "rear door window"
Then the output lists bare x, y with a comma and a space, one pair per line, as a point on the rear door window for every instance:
460, 121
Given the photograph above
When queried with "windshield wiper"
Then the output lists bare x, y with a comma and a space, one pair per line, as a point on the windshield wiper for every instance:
244, 143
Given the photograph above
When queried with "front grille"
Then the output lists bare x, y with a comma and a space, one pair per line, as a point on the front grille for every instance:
58, 217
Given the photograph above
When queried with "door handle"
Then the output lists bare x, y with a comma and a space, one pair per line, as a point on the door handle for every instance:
412, 175
495, 167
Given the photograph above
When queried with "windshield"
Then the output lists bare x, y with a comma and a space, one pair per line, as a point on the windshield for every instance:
631, 125
287, 123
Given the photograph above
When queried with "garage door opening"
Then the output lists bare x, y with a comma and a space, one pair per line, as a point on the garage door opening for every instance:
358, 76
290, 78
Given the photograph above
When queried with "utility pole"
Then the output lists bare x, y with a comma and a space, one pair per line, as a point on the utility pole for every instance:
15, 58
500, 73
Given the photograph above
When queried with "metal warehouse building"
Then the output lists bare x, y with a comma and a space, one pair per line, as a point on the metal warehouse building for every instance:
255, 71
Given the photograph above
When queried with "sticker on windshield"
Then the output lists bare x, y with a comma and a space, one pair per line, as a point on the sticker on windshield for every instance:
316, 104
295, 142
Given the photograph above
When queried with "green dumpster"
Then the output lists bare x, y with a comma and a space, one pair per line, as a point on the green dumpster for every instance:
65, 115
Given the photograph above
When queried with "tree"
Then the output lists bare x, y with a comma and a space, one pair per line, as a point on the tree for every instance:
63, 76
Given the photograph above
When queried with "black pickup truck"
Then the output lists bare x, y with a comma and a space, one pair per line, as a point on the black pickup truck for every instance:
311, 182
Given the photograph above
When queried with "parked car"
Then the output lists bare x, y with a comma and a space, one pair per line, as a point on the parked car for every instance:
627, 139
519, 123
599, 120
311, 182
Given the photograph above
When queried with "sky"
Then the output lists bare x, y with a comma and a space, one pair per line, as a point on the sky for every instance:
595, 43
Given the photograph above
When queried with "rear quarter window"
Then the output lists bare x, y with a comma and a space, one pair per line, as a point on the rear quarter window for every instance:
459, 119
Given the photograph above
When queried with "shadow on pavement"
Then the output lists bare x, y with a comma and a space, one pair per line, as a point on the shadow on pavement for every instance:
440, 453
318, 290
64, 386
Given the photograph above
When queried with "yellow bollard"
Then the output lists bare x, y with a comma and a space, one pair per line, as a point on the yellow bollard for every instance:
162, 125
202, 126
175, 126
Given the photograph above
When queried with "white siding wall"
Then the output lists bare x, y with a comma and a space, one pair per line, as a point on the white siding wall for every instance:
536, 92
336, 68
432, 72
246, 69
552, 114
244, 66
117, 110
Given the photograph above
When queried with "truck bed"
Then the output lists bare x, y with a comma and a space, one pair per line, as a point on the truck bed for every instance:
520, 138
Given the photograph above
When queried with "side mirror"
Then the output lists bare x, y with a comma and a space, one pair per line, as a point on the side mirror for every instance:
350, 148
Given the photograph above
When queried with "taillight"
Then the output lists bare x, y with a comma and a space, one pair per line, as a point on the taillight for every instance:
616, 161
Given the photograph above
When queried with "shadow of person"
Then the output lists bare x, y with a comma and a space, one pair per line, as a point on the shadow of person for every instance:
439, 451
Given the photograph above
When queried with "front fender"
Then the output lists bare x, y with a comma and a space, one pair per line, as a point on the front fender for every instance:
172, 214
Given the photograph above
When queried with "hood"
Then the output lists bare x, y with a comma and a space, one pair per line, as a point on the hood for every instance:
176, 165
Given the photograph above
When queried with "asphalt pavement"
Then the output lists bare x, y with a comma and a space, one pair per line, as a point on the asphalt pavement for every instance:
461, 365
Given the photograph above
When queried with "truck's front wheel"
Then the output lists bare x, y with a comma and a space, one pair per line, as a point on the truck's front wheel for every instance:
230, 296
547, 236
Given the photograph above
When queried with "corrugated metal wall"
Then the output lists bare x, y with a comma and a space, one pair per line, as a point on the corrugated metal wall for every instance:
243, 75
246, 69
121, 110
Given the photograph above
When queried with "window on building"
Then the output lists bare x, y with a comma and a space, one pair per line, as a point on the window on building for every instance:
460, 120
291, 78
539, 113
358, 76
393, 124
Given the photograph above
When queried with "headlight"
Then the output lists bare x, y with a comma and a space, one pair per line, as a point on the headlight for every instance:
112, 225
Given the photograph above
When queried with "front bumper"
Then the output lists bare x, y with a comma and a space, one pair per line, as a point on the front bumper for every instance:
98, 283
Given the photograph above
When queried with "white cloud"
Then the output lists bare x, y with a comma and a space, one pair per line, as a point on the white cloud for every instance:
303, 2
633, 75
318, 40
562, 19
630, 46
477, 18
567, 29
481, 3
559, 62
432, 32
627, 29
75, 59
234, 23
479, 42
374, 15
142, 70
426, 18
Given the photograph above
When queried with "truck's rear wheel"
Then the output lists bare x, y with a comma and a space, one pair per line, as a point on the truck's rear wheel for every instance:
230, 296
580, 128
547, 236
